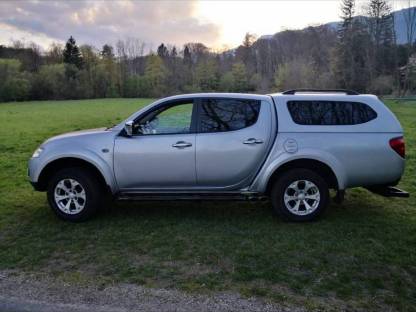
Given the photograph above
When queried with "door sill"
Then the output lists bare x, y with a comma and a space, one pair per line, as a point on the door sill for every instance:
183, 195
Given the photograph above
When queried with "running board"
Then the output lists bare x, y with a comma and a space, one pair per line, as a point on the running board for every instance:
389, 191
153, 196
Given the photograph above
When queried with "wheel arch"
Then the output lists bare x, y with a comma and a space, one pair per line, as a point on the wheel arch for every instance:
317, 166
67, 162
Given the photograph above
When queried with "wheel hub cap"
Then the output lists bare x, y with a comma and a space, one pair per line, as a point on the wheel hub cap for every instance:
70, 196
302, 197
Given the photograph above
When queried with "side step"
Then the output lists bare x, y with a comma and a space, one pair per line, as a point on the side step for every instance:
153, 196
389, 191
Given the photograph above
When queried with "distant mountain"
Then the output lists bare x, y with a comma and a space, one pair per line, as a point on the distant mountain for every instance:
265, 37
399, 26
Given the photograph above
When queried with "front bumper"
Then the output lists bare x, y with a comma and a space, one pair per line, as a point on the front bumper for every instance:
31, 169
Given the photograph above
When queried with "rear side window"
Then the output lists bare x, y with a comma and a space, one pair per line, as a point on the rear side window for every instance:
219, 115
330, 112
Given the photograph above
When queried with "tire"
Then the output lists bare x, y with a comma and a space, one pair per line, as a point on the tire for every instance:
80, 188
299, 195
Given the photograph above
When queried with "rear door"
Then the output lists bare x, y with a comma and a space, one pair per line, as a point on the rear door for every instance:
232, 141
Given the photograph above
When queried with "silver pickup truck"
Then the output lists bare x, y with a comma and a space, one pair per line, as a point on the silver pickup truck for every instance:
290, 148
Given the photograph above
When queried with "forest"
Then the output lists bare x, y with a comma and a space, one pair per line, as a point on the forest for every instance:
360, 53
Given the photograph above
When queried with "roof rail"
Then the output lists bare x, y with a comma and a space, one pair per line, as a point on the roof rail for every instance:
347, 92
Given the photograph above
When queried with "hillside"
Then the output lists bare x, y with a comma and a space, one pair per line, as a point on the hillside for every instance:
399, 21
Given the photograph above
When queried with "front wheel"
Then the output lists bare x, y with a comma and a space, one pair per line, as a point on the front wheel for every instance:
74, 194
300, 195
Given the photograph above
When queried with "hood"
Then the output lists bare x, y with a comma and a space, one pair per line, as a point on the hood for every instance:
77, 134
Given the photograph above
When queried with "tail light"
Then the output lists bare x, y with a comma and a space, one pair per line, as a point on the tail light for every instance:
398, 145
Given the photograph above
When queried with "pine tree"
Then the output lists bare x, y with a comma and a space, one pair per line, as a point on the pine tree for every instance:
344, 64
351, 57
162, 51
381, 29
245, 53
187, 58
72, 54
348, 10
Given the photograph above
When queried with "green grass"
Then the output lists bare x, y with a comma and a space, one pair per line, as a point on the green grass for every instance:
362, 254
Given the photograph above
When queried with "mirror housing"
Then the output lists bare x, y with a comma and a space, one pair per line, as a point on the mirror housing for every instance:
128, 127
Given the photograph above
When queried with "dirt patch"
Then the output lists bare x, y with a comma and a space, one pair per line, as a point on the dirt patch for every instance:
28, 292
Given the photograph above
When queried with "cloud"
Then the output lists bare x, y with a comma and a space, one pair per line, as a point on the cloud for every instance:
99, 22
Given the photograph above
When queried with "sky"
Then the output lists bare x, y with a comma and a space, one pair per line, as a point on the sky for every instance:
217, 24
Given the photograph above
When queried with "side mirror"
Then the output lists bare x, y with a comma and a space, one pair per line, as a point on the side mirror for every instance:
128, 128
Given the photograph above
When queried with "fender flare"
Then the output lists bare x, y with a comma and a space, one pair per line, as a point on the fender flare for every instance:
261, 182
90, 157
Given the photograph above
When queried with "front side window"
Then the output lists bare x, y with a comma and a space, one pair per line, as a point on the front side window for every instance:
174, 119
219, 115
330, 112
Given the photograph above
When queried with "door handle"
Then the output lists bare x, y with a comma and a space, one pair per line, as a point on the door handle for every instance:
253, 141
181, 144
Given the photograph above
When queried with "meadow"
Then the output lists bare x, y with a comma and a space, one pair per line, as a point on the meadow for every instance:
360, 255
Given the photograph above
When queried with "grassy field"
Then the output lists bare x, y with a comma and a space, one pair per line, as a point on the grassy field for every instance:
361, 255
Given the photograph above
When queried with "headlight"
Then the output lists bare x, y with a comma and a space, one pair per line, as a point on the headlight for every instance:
37, 152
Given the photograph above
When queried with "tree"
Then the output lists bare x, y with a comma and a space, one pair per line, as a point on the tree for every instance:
227, 82
50, 82
34, 55
107, 52
381, 29
206, 76
162, 51
173, 52
8, 68
90, 60
15, 89
239, 73
187, 58
107, 74
105, 82
346, 66
54, 54
72, 54
14, 85
297, 73
244, 50
196, 51
245, 54
350, 60
73, 64
410, 22
155, 74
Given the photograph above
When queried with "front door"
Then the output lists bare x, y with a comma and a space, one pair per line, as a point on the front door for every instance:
161, 152
232, 142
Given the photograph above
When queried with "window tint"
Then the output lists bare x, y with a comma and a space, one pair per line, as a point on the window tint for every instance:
170, 120
218, 115
330, 112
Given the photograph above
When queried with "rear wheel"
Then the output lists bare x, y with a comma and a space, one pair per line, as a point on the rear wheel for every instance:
300, 195
74, 194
